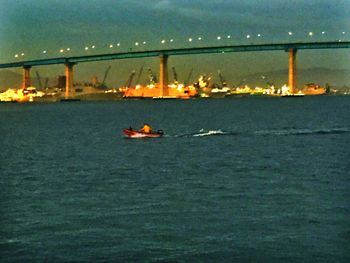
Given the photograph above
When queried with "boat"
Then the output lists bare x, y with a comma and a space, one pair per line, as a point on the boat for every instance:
241, 91
219, 92
131, 133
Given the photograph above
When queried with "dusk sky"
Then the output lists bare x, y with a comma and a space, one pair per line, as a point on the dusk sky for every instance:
34, 26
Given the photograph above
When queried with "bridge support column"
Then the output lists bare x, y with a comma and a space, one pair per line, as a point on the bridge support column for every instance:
292, 73
26, 77
163, 75
69, 79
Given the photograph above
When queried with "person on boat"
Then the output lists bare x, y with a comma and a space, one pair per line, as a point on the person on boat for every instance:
146, 128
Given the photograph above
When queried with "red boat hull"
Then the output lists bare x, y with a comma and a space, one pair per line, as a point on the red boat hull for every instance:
130, 133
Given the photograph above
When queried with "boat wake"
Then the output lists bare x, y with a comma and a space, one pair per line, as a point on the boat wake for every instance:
293, 131
278, 132
202, 132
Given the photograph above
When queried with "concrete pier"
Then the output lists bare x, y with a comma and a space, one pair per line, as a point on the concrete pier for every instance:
26, 77
292, 74
69, 79
163, 75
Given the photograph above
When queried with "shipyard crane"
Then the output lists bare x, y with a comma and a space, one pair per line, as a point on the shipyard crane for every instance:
129, 81
152, 77
105, 77
222, 80
39, 80
189, 77
46, 83
140, 73
174, 75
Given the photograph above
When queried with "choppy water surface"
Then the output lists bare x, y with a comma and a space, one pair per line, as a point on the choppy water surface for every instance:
244, 180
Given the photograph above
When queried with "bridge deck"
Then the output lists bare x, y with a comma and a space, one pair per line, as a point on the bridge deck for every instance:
180, 51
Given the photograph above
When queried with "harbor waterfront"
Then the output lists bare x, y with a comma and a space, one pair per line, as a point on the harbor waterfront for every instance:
253, 179
162, 89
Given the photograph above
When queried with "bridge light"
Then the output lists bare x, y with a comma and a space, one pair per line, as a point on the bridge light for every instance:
110, 46
118, 44
259, 35
16, 56
229, 36
61, 50
343, 32
22, 54
199, 38
136, 43
218, 37
248, 36
171, 40
163, 41
190, 39
323, 32
93, 46
144, 42
68, 49
290, 33
311, 33
86, 48
44, 51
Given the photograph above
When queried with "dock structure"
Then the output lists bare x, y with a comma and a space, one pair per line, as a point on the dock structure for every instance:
164, 55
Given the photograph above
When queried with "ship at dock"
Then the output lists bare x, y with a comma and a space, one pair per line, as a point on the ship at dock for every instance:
153, 90
313, 89
220, 91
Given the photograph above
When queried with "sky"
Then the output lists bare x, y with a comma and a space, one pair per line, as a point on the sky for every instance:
34, 29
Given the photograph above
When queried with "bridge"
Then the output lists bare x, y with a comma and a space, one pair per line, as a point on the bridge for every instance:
164, 54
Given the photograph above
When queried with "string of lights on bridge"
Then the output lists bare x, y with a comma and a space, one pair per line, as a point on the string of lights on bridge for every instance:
164, 41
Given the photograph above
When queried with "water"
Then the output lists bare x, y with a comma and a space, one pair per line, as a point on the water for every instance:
233, 180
